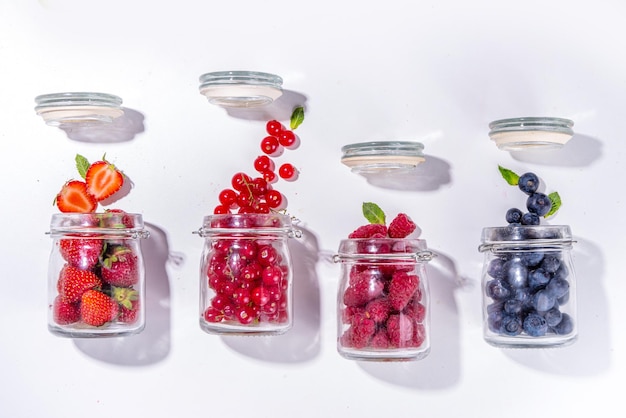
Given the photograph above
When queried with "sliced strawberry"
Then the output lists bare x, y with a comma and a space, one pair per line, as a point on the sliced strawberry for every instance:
74, 197
103, 180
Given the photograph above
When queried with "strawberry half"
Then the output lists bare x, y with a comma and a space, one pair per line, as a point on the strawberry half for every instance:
97, 308
74, 197
103, 180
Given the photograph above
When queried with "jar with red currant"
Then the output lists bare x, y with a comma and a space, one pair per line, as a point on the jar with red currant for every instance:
96, 275
383, 301
528, 286
246, 274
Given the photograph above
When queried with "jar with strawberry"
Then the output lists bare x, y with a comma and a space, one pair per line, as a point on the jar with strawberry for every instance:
383, 301
96, 274
246, 274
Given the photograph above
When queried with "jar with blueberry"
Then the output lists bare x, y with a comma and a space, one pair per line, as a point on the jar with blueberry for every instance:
383, 303
246, 274
528, 286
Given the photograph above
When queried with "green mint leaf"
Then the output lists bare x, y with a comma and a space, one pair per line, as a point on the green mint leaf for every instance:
81, 165
297, 117
373, 213
556, 203
509, 176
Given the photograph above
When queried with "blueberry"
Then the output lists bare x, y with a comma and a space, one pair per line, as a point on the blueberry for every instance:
513, 306
535, 325
523, 295
538, 203
538, 278
562, 272
553, 317
498, 290
566, 325
551, 263
531, 259
557, 287
530, 218
528, 183
494, 316
495, 269
543, 301
514, 216
516, 273
511, 325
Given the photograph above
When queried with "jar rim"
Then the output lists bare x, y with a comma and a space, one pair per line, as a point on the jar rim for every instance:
519, 237
98, 223
407, 249
257, 223
240, 77
377, 156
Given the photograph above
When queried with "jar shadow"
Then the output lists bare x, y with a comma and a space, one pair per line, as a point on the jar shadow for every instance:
580, 151
428, 176
302, 342
279, 109
122, 129
441, 368
591, 353
153, 344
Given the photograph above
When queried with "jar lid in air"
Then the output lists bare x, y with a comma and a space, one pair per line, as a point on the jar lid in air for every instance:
240, 88
518, 134
84, 108
382, 156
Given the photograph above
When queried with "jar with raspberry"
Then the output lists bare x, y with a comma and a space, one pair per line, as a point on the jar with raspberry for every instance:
96, 275
528, 286
383, 300
246, 274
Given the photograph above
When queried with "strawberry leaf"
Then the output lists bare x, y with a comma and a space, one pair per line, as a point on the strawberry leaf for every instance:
82, 164
297, 117
373, 213
556, 203
509, 176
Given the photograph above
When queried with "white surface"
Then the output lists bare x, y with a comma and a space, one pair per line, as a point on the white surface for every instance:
433, 71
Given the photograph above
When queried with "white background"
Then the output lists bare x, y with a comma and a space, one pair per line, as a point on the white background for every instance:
431, 71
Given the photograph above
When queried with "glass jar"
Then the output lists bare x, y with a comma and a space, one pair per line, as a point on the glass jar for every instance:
518, 134
528, 286
382, 156
78, 108
96, 275
240, 88
246, 274
383, 302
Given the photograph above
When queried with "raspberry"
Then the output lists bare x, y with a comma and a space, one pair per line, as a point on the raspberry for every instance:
368, 231
378, 310
380, 340
399, 329
362, 290
362, 330
417, 311
401, 289
350, 312
419, 335
401, 226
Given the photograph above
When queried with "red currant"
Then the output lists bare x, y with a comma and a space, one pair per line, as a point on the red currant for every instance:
245, 199
228, 198
221, 210
245, 315
220, 302
272, 275
274, 198
260, 296
287, 138
273, 127
270, 145
263, 163
213, 315
287, 171
261, 207
267, 255
240, 182
259, 186
269, 176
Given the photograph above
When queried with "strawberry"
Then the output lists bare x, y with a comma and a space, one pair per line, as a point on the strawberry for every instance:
65, 312
74, 197
128, 300
117, 218
81, 252
97, 308
120, 266
73, 282
103, 180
